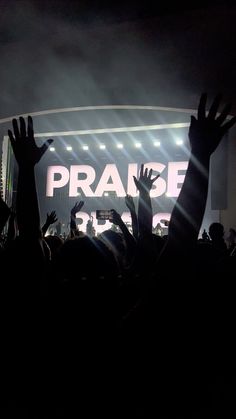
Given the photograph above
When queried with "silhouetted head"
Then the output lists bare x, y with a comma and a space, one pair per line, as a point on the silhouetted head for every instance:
216, 231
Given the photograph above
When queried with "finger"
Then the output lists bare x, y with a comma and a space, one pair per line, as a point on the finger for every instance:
135, 181
214, 107
202, 107
141, 171
193, 120
45, 146
146, 172
150, 174
22, 127
224, 114
15, 128
229, 124
30, 129
10, 135
155, 178
11, 138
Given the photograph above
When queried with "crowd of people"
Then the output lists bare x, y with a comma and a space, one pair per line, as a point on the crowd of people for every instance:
121, 324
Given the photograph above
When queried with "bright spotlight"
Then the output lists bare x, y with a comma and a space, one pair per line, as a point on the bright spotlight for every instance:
52, 148
179, 142
167, 194
102, 146
85, 147
120, 145
138, 145
106, 194
157, 143
69, 148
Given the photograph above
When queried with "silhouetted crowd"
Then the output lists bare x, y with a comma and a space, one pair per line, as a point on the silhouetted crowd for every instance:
123, 324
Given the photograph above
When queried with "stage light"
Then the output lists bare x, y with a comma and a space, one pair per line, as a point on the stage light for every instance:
179, 142
85, 147
78, 194
138, 145
69, 148
167, 195
157, 143
102, 146
52, 148
119, 145
106, 194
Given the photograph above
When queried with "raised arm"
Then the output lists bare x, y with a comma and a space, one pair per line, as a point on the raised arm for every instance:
51, 219
73, 226
130, 205
27, 155
129, 239
4, 214
144, 186
205, 134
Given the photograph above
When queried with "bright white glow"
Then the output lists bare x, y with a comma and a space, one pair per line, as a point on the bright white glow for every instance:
175, 178
106, 130
179, 142
106, 194
132, 171
138, 145
78, 193
52, 148
100, 226
157, 143
110, 181
52, 183
102, 146
76, 182
85, 178
120, 145
69, 148
85, 147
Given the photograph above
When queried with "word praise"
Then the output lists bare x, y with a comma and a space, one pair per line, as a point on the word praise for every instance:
83, 178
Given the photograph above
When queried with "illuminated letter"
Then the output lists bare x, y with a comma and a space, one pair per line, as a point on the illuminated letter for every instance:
84, 183
52, 183
132, 171
110, 171
83, 217
160, 217
174, 179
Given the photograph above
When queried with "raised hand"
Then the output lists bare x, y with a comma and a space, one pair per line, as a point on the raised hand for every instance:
130, 203
76, 208
206, 132
23, 143
51, 218
144, 183
115, 218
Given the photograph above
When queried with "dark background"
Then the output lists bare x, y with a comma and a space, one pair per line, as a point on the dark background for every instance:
70, 53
